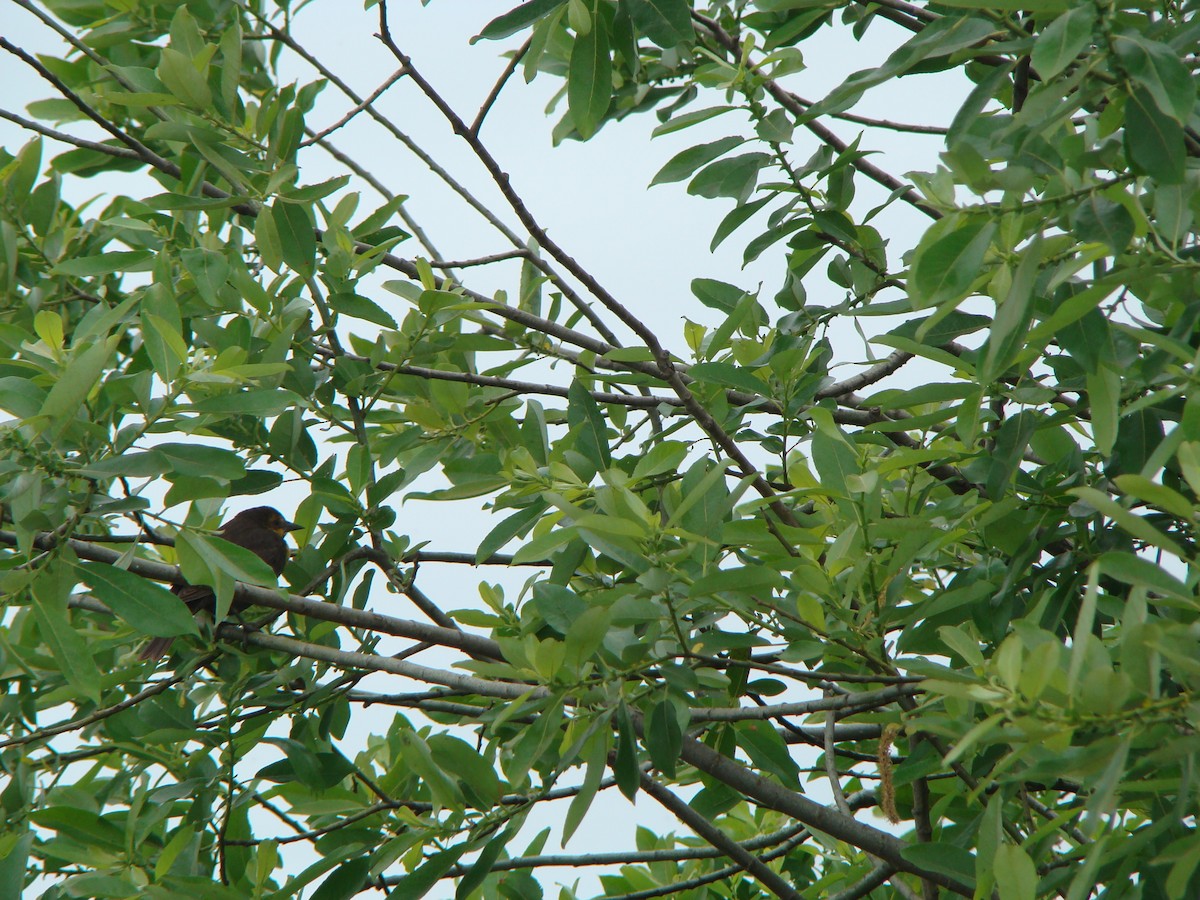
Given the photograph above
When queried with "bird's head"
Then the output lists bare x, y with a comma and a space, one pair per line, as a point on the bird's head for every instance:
267, 517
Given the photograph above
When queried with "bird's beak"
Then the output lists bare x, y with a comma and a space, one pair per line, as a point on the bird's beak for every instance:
285, 526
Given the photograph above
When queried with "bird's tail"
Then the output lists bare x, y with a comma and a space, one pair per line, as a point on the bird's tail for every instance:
157, 648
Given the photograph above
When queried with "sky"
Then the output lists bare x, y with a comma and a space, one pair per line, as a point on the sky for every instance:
645, 244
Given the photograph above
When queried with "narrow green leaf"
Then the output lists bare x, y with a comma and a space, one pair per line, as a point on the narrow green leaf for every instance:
105, 263
589, 77
686, 120
736, 217
422, 879
74, 384
664, 737
731, 376
508, 529
1104, 397
625, 764
1134, 570
588, 424
482, 867
1136, 525
684, 163
1012, 317
264, 402
597, 764
516, 19
50, 589
359, 307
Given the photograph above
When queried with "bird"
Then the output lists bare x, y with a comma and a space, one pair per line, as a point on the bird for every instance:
260, 530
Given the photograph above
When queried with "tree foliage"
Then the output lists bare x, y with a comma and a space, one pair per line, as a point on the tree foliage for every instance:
945, 574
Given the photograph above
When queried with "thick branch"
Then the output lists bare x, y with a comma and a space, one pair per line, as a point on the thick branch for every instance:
260, 596
750, 863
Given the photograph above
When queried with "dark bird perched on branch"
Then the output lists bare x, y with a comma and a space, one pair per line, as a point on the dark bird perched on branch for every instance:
259, 530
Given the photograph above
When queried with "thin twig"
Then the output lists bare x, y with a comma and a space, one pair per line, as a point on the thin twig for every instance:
354, 111
499, 86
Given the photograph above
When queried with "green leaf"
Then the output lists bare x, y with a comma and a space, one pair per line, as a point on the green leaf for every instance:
1063, 40
105, 263
21, 174
1031, 6
683, 164
940, 38
1099, 219
264, 402
835, 460
181, 79
15, 860
687, 120
50, 589
589, 77
147, 606
508, 529
730, 376
199, 459
945, 270
74, 384
482, 866
345, 881
1011, 440
664, 737
1134, 570
944, 858
625, 764
717, 294
736, 177
768, 752
588, 424
516, 19
1160, 72
359, 307
1136, 525
209, 270
266, 236
216, 562
736, 218
664, 456
1153, 140
1015, 874
165, 345
597, 763
666, 22
297, 240
1104, 398
1012, 317
424, 877
741, 579
477, 777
